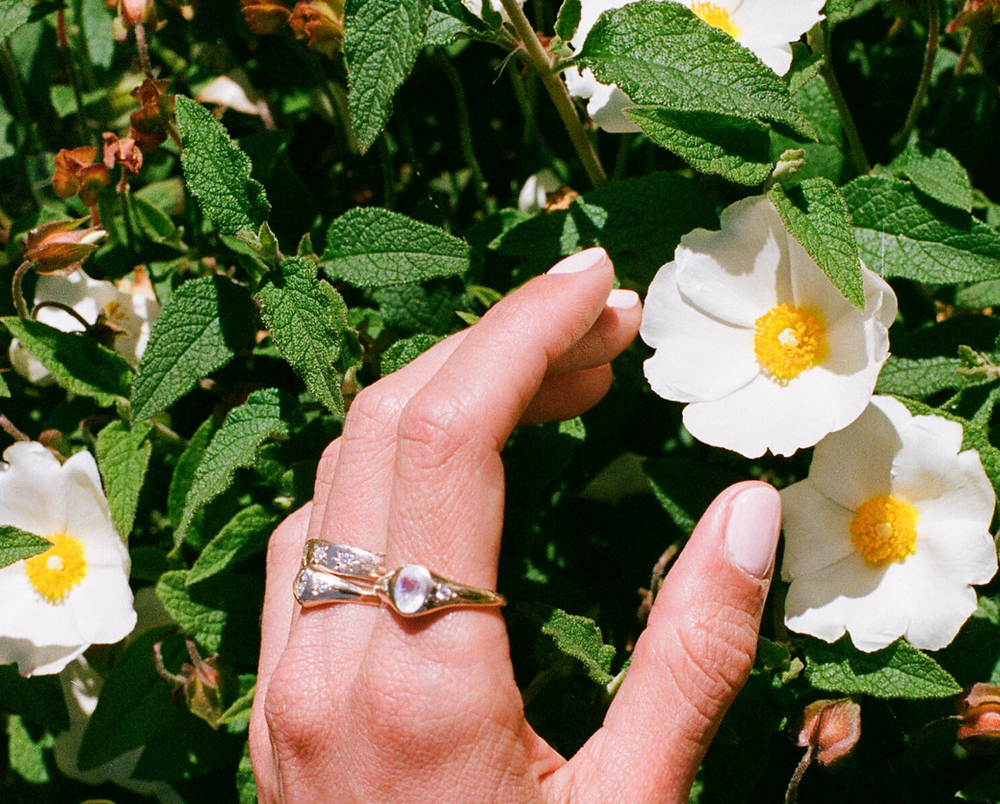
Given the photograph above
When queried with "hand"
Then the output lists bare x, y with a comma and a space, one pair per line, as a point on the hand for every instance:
355, 704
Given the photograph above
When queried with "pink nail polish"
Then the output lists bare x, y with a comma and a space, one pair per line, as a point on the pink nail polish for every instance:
581, 261
752, 530
621, 299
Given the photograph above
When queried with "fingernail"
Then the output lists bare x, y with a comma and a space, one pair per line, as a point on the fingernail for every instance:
581, 261
622, 299
752, 530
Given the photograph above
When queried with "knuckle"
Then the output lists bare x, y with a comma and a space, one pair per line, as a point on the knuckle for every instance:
373, 409
298, 725
432, 430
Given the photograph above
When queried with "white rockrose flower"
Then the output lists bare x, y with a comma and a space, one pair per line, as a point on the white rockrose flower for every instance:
765, 27
750, 332
534, 194
75, 594
476, 7
128, 308
888, 534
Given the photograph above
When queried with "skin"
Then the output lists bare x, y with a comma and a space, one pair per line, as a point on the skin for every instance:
355, 704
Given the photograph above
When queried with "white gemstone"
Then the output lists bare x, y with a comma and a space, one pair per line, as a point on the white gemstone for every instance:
300, 585
411, 588
319, 554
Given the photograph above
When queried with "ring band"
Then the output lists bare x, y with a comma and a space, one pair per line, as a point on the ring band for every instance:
338, 573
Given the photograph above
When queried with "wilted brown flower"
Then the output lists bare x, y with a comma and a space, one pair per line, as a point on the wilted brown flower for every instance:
979, 712
59, 247
151, 122
976, 14
76, 173
265, 17
320, 23
123, 152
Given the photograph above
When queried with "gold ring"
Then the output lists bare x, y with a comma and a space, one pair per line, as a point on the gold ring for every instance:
413, 590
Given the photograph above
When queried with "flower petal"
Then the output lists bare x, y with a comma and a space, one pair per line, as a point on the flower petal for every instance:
964, 553
817, 531
31, 493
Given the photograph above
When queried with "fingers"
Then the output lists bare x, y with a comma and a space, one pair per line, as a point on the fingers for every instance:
695, 654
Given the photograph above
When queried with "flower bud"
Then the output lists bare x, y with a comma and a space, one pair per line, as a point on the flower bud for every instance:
59, 247
830, 728
265, 17
135, 11
979, 711
976, 15
320, 23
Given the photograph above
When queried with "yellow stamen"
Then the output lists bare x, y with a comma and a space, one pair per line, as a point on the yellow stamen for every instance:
884, 530
57, 570
787, 340
717, 18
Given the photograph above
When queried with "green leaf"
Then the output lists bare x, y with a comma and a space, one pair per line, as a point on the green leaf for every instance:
217, 172
79, 364
817, 217
221, 614
936, 173
205, 323
155, 223
245, 535
371, 247
568, 19
984, 787
38, 699
14, 14
180, 482
406, 351
735, 147
381, 41
246, 783
123, 457
898, 671
265, 415
979, 295
239, 709
661, 54
17, 544
898, 234
580, 637
306, 318
920, 378
98, 28
26, 756
838, 10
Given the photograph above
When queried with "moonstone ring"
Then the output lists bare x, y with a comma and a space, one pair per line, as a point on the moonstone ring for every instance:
338, 573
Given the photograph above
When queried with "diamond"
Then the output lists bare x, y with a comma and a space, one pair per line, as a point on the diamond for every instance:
319, 553
411, 587
300, 585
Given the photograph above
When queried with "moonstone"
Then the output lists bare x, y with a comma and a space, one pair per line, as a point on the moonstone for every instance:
411, 588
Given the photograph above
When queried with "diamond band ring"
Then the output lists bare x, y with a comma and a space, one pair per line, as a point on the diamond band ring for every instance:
337, 573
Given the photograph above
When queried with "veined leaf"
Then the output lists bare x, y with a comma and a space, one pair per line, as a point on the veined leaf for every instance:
938, 174
17, 544
580, 637
123, 457
14, 14
246, 534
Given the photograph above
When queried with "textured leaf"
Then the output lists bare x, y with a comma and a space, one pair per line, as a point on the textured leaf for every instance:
733, 146
381, 41
264, 415
217, 172
246, 783
79, 364
306, 318
817, 217
25, 754
99, 31
639, 222
13, 14
937, 173
580, 637
898, 671
245, 535
240, 708
37, 699
899, 235
979, 295
17, 544
661, 54
568, 19
371, 247
180, 482
838, 10
920, 378
406, 351
205, 323
123, 457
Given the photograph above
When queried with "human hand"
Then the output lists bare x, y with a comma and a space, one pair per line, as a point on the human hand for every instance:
356, 704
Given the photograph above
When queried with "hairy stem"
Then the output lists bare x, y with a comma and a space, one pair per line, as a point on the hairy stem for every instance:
11, 429
541, 62
66, 309
819, 43
933, 36
143, 48
17, 292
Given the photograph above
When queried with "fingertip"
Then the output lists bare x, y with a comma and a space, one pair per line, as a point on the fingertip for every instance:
752, 528
581, 261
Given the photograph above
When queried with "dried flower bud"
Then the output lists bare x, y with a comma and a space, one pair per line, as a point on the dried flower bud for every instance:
201, 683
76, 173
320, 23
830, 728
122, 152
59, 247
979, 711
151, 121
976, 15
135, 11
264, 17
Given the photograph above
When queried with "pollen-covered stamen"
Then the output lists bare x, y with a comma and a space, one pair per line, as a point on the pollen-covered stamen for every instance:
884, 529
716, 17
53, 573
788, 340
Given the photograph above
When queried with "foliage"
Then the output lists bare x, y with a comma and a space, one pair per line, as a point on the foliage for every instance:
310, 222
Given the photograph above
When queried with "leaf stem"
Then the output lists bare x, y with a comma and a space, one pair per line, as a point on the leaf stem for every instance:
17, 292
933, 37
83, 322
534, 54
143, 47
818, 41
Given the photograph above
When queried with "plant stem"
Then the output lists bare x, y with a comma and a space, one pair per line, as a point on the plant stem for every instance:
465, 130
143, 48
541, 62
933, 36
819, 43
67, 53
17, 292
83, 322
10, 428
963, 58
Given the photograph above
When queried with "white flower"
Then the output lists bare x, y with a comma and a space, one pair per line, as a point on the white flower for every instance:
765, 27
58, 603
476, 7
129, 308
750, 332
534, 194
889, 532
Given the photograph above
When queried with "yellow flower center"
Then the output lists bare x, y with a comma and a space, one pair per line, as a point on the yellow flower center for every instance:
884, 530
787, 340
716, 17
57, 570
